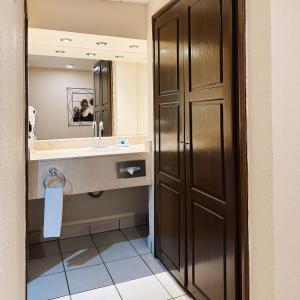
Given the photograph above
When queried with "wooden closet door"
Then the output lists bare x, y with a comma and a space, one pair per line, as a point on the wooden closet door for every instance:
169, 142
211, 175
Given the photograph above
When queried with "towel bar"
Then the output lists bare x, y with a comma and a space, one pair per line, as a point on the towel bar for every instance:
53, 172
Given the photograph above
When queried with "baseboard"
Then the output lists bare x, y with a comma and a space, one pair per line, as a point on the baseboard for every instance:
85, 227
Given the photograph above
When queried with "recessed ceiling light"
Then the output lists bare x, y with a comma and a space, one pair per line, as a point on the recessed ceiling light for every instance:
70, 66
119, 56
101, 43
66, 40
133, 46
90, 54
60, 51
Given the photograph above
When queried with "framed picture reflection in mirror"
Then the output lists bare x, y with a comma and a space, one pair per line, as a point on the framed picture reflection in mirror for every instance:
80, 106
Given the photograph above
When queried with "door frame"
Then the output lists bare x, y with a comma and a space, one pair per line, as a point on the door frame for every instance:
26, 143
239, 68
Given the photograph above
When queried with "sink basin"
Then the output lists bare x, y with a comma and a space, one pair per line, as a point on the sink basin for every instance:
108, 149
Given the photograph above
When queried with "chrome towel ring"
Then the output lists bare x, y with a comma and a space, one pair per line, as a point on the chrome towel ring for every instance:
54, 176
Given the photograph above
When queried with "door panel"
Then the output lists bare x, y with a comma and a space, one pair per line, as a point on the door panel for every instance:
169, 142
103, 95
207, 148
170, 224
210, 163
106, 119
105, 75
169, 160
205, 42
168, 59
209, 252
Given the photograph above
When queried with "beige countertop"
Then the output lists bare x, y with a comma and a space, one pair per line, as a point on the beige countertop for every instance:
86, 166
70, 153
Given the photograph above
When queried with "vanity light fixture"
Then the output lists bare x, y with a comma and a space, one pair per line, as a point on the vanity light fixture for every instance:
119, 56
90, 54
133, 46
70, 66
60, 51
66, 40
101, 43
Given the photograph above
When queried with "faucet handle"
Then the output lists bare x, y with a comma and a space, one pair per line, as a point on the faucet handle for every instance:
94, 128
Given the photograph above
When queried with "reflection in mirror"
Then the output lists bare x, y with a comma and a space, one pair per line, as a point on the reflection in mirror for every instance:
78, 80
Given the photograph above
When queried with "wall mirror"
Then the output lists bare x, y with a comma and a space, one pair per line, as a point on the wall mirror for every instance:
77, 80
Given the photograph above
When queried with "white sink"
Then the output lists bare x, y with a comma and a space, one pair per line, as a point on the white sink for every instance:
108, 149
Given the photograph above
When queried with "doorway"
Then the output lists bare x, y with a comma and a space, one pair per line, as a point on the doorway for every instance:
170, 193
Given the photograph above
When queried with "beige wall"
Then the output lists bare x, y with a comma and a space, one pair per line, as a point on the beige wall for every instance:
130, 98
82, 208
47, 93
142, 92
274, 148
285, 44
89, 16
259, 103
12, 158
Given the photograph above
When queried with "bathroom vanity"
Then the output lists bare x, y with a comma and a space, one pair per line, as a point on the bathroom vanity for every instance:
88, 166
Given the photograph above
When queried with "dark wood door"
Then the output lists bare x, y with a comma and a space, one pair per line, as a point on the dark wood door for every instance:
169, 137
210, 149
103, 96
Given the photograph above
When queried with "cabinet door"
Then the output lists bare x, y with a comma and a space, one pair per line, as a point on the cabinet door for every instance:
211, 176
169, 141
103, 95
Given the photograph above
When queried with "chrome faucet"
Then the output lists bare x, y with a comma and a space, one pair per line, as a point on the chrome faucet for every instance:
101, 127
94, 129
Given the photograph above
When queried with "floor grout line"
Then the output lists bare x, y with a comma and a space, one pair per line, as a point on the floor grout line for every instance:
164, 287
115, 260
130, 241
65, 272
107, 269
81, 268
155, 274
105, 265
140, 255
126, 240
89, 290
41, 276
72, 251
102, 262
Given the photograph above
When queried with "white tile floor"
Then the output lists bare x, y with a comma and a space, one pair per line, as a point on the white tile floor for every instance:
115, 265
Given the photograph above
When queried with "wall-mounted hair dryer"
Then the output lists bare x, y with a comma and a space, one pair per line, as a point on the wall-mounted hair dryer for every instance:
31, 122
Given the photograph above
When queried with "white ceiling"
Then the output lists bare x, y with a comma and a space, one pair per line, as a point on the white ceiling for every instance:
43, 44
55, 62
